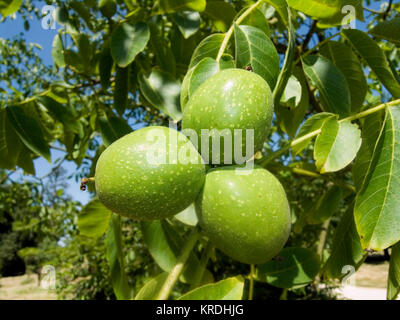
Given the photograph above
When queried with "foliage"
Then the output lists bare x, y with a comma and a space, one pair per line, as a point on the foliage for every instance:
121, 64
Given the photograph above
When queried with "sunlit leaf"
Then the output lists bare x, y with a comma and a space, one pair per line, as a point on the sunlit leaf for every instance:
377, 208
254, 48
228, 289
337, 145
94, 219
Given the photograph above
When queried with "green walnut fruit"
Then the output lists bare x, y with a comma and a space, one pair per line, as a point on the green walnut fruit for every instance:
152, 173
245, 213
229, 103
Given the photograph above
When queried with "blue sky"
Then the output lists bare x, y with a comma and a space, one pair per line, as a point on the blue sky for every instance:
37, 34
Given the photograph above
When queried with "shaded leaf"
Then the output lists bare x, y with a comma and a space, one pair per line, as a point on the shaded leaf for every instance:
371, 129
127, 41
388, 30
347, 62
94, 219
115, 259
164, 244
221, 14
60, 113
393, 285
255, 19
292, 267
162, 90
291, 118
112, 129
105, 66
10, 145
331, 84
121, 89
188, 22
336, 146
29, 131
254, 48
151, 288
326, 206
25, 160
227, 289
208, 47
377, 208
370, 51
346, 247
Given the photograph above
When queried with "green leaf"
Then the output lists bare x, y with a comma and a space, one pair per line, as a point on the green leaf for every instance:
121, 89
255, 19
291, 118
370, 51
57, 51
83, 12
164, 244
328, 11
162, 90
371, 129
313, 123
188, 22
29, 131
393, 285
115, 259
343, 18
107, 8
221, 14
208, 47
94, 219
60, 113
343, 57
292, 267
164, 57
377, 208
281, 7
228, 289
388, 30
346, 247
8, 7
336, 146
10, 145
112, 129
127, 41
25, 160
187, 216
254, 48
291, 96
331, 84
326, 206
286, 71
150, 290
105, 66
170, 6
195, 77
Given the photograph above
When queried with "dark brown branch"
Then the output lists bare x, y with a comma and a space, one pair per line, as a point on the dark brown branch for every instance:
309, 34
386, 13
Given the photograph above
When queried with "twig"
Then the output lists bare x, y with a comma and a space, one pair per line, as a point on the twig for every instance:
178, 268
309, 34
386, 13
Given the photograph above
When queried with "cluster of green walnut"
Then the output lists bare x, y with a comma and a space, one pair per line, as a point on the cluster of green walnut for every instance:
243, 211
